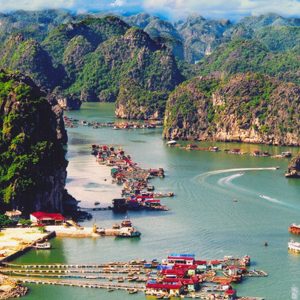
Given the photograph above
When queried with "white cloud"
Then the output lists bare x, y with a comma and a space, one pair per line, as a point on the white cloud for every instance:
78, 5
171, 8
223, 8
118, 3
7, 5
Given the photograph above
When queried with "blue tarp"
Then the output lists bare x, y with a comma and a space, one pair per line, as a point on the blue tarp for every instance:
160, 267
182, 255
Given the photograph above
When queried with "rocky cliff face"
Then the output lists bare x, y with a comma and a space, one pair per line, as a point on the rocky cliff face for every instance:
294, 168
244, 108
32, 161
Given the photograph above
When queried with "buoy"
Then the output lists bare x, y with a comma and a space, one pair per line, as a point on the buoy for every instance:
266, 244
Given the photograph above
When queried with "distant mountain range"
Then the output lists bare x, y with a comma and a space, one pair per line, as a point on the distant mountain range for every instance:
137, 61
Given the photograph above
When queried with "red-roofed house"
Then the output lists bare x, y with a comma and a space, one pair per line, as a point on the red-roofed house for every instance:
43, 218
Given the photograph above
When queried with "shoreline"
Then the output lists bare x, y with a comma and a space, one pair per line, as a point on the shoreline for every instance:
17, 241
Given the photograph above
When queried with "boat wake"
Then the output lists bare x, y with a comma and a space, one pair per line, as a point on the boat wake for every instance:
227, 180
226, 184
203, 176
273, 200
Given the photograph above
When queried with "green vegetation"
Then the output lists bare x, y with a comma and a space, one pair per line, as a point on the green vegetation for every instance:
151, 103
29, 148
5, 221
25, 222
234, 107
241, 56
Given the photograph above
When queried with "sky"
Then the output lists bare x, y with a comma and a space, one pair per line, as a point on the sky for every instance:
172, 9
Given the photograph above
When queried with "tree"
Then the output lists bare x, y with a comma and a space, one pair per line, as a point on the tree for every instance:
5, 221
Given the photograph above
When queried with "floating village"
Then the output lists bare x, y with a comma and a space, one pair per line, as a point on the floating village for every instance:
179, 275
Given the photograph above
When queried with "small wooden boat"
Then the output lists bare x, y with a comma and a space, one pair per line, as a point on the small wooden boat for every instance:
42, 246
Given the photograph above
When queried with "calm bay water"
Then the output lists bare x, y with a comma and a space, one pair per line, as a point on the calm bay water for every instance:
220, 208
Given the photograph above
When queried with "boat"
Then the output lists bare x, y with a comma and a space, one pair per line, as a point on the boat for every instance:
132, 291
154, 204
150, 188
171, 143
294, 246
119, 205
126, 223
128, 232
294, 229
42, 246
292, 174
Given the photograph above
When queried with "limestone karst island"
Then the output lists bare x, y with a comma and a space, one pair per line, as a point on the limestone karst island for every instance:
150, 149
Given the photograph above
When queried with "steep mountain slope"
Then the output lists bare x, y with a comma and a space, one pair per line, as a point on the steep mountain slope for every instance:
89, 60
99, 54
250, 55
160, 30
245, 108
29, 57
32, 160
276, 33
190, 39
33, 24
201, 36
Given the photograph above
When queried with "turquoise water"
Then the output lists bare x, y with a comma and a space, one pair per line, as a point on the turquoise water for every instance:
204, 217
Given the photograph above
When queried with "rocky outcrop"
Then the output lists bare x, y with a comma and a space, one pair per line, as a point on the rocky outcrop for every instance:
294, 168
247, 108
32, 164
136, 103
65, 102
11, 289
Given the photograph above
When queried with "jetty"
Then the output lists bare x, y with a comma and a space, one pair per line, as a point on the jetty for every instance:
179, 275
72, 229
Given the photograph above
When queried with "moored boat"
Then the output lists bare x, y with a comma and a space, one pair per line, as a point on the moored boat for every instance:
42, 246
294, 229
128, 232
294, 246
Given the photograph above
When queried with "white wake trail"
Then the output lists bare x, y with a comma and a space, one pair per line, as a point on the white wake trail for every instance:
203, 176
227, 180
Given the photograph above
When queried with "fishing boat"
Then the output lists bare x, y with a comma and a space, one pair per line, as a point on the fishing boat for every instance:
154, 204
294, 229
42, 246
294, 246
